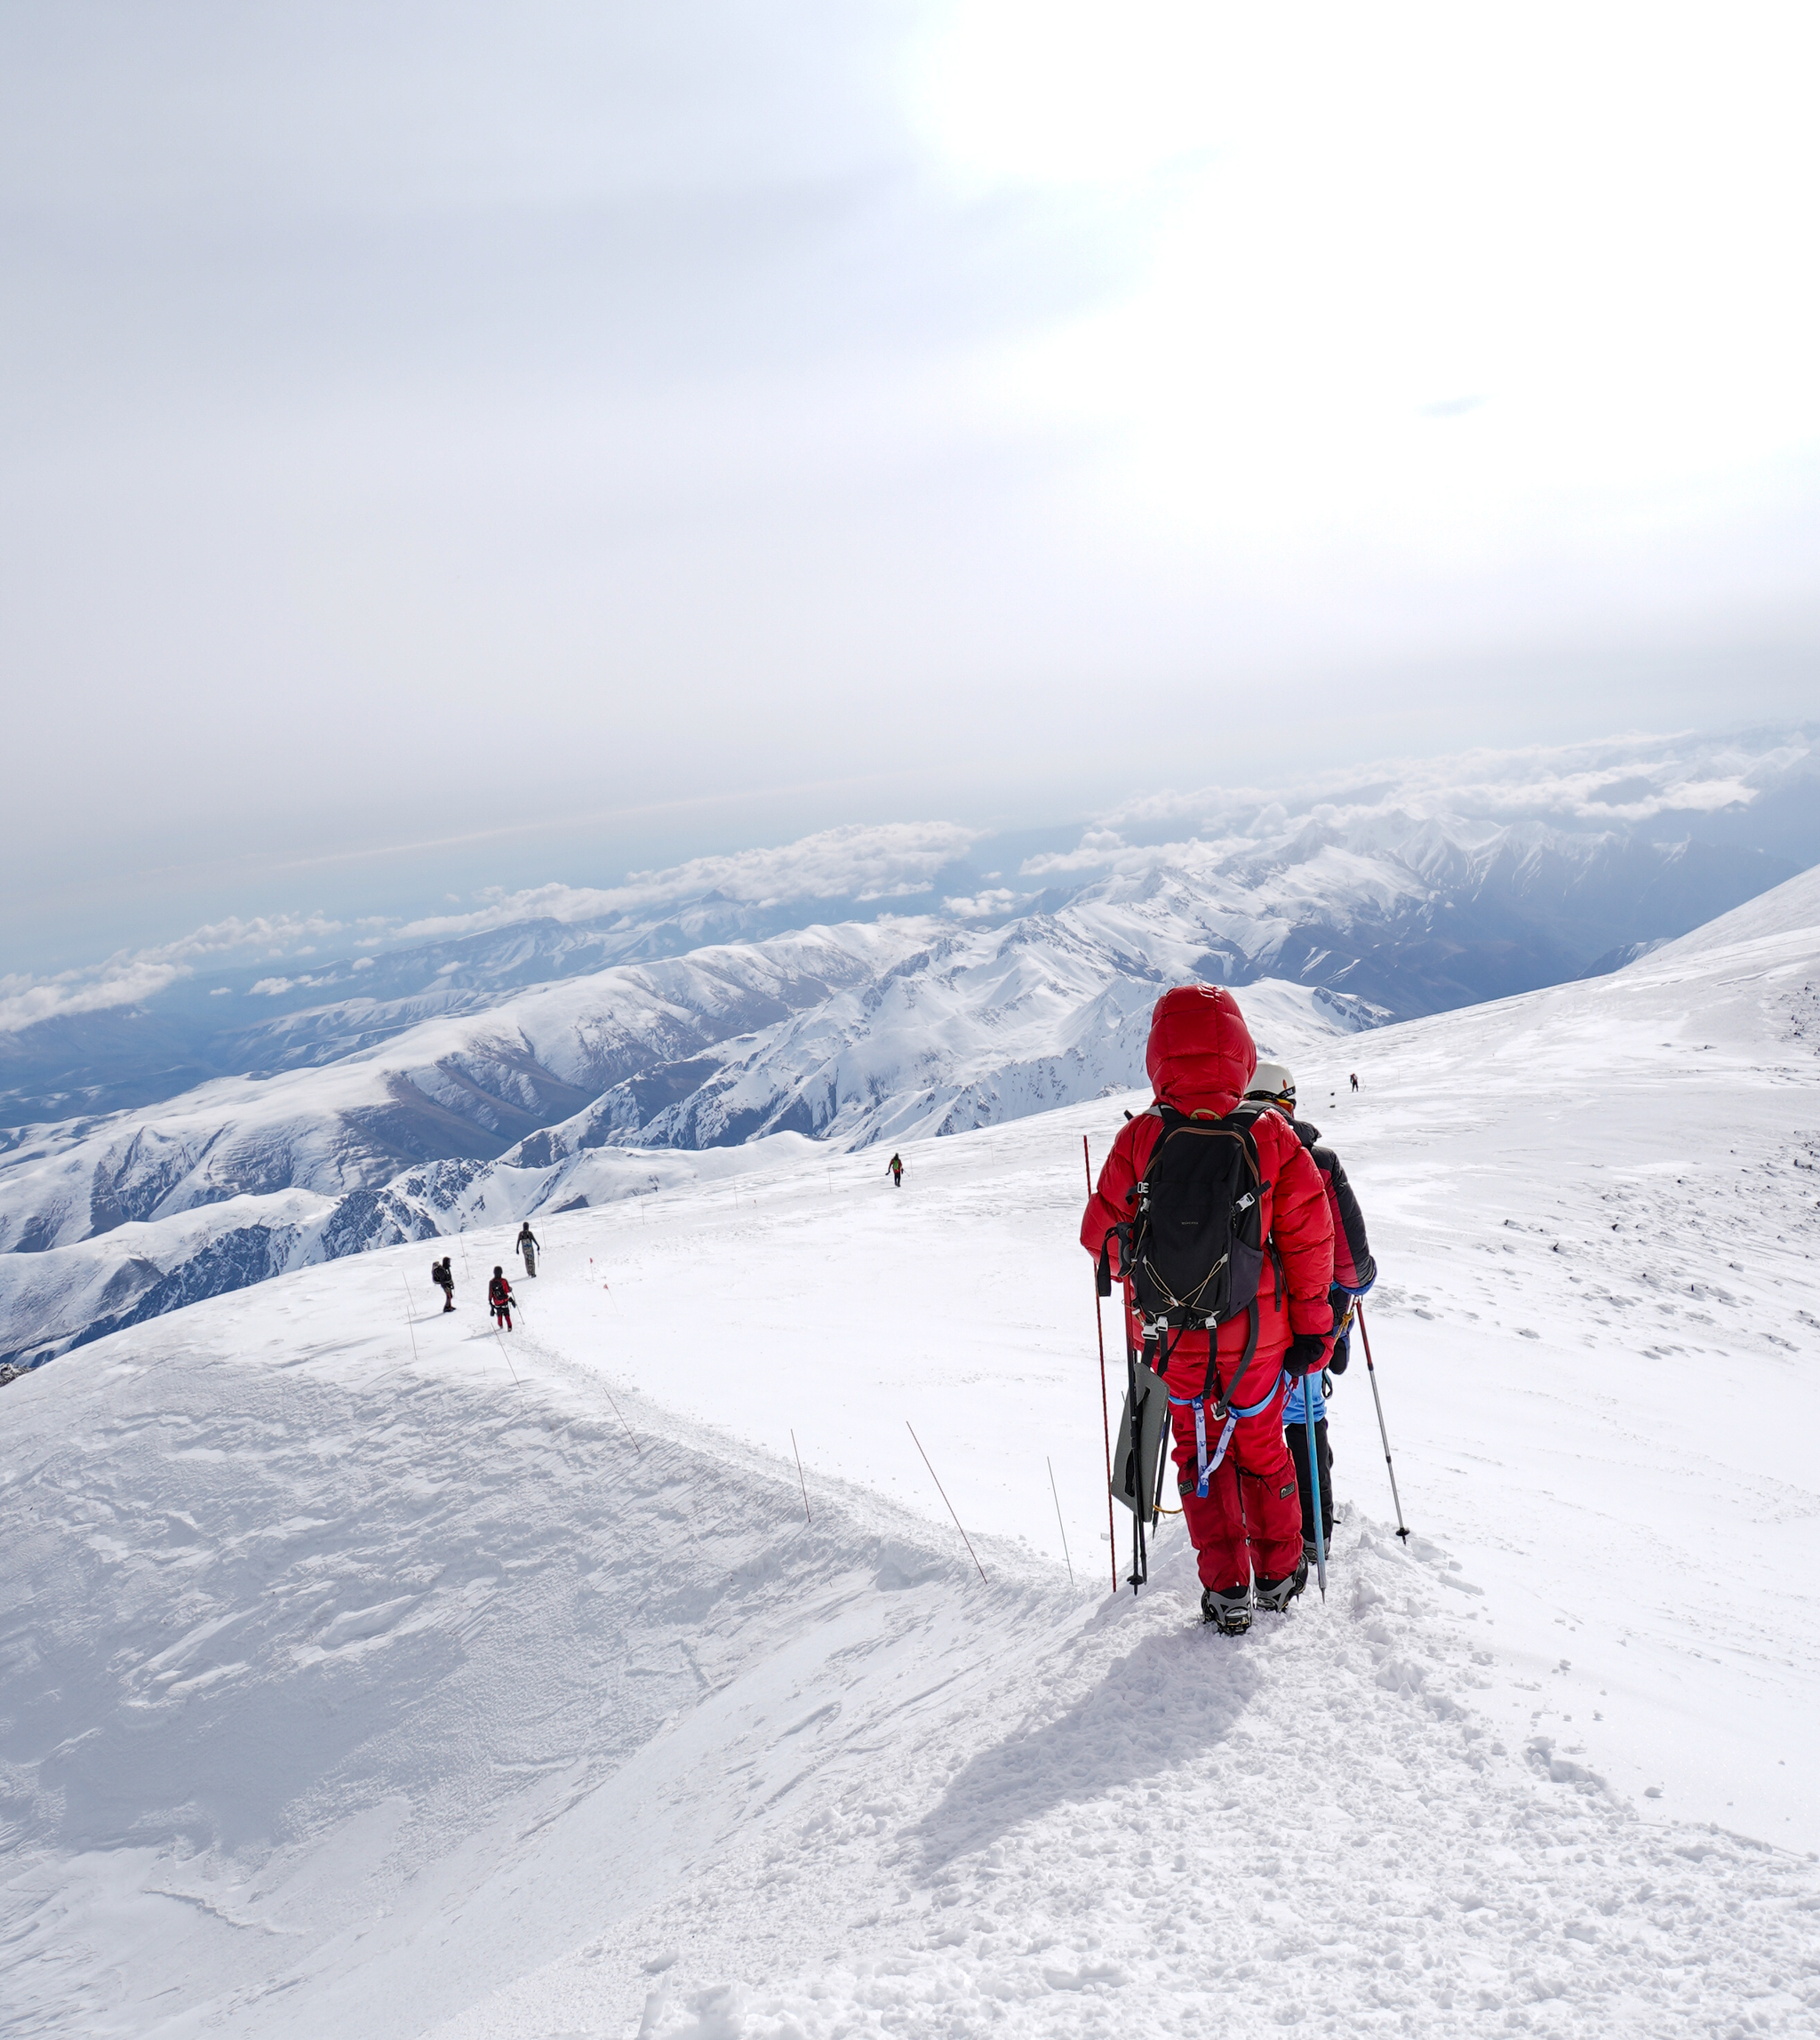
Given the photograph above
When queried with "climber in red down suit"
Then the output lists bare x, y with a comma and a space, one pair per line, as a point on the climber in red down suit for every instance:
1248, 1526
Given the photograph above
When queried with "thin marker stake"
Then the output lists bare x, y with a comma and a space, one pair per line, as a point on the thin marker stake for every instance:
500, 1336
1060, 1526
608, 1393
410, 1322
803, 1483
1105, 1421
942, 1491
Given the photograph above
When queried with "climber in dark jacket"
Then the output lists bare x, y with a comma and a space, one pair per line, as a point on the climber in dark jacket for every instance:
1353, 1273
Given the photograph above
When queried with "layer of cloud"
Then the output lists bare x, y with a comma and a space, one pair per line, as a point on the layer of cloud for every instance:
1623, 782
859, 865
131, 975
865, 865
1620, 782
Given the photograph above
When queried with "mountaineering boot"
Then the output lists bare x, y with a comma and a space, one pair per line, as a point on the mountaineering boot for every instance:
1309, 1554
1276, 1595
1229, 1611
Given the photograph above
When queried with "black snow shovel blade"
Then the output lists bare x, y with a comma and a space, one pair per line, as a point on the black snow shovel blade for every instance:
1135, 1475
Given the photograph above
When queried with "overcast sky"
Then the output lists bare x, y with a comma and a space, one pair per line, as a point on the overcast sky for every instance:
450, 445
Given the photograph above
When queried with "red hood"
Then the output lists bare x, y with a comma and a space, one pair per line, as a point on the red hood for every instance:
1201, 1055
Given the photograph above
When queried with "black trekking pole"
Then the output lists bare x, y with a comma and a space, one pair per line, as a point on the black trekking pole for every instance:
1382, 1433
1134, 1465
1315, 1486
1102, 1287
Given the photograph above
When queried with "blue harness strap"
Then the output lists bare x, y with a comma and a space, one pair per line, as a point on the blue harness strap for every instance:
1205, 1467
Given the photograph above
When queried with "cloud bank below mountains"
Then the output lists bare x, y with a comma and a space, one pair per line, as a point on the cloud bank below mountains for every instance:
131, 975
1616, 783
897, 860
1622, 782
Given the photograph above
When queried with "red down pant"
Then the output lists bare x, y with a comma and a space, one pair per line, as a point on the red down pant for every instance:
1251, 1520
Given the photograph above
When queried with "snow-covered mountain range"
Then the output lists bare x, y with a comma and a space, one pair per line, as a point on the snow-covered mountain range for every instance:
366, 1673
893, 1030
522, 1064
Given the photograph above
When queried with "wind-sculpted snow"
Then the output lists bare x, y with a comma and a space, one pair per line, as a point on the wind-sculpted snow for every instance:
367, 1672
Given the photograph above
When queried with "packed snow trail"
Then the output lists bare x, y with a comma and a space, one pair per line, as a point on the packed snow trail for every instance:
388, 1701
350, 1691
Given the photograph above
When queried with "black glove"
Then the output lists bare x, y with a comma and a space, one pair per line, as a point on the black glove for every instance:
1341, 1356
1307, 1350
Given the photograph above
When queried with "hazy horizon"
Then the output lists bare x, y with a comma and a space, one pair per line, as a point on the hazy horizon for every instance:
1736, 787
447, 452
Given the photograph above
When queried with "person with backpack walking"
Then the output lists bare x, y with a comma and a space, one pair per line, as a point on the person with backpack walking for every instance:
443, 1275
1353, 1273
896, 1167
528, 1245
1236, 1179
499, 1298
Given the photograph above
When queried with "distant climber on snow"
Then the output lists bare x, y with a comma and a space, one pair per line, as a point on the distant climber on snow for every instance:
499, 1299
443, 1275
1355, 1080
528, 1245
1200, 1164
1353, 1273
896, 1166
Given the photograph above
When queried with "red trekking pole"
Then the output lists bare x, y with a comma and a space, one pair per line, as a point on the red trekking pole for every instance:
1106, 1420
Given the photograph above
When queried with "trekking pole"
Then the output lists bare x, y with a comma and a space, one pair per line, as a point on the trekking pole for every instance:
1382, 1433
1140, 1553
1314, 1485
1105, 1416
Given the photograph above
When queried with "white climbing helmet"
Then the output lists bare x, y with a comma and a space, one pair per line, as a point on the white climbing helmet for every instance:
1273, 1081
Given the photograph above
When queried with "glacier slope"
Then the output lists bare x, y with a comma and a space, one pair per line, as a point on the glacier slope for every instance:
357, 1682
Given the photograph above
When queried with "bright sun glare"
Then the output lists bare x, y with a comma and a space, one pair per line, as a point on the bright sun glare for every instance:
1451, 272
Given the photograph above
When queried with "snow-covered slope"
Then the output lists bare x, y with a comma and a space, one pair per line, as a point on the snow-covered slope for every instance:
393, 1678
883, 1030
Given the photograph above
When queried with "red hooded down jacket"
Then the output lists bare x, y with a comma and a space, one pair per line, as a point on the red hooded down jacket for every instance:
1200, 1059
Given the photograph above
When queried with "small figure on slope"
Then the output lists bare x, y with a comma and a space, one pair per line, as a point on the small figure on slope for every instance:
896, 1166
1353, 1273
528, 1245
443, 1275
1355, 1080
499, 1298
1226, 1386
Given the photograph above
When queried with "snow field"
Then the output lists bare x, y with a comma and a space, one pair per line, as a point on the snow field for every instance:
470, 1715
350, 1688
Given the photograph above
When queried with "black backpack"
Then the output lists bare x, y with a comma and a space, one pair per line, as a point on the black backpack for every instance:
1193, 1249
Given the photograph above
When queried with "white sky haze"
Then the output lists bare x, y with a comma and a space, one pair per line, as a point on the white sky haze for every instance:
580, 439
